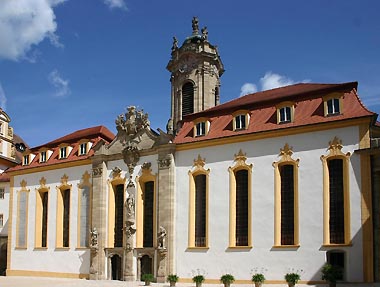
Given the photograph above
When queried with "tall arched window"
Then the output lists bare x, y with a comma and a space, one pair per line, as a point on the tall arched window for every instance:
84, 216
198, 204
240, 202
286, 232
336, 201
200, 210
148, 202
187, 99
119, 204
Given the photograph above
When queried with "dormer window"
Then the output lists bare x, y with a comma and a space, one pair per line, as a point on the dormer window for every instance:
63, 152
333, 107
83, 148
241, 120
43, 156
201, 127
285, 113
333, 104
25, 160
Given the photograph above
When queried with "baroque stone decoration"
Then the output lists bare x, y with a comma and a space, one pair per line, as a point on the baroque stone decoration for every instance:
97, 171
164, 163
161, 237
286, 156
94, 238
130, 127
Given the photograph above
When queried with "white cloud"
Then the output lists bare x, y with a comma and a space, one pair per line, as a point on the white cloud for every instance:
25, 23
248, 88
272, 81
116, 4
3, 98
269, 81
61, 85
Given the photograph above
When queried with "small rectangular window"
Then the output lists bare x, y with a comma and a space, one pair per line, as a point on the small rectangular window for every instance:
201, 129
26, 160
2, 193
333, 107
285, 115
63, 152
1, 220
240, 121
83, 149
43, 156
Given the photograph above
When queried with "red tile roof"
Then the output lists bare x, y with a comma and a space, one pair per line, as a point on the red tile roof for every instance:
94, 135
308, 110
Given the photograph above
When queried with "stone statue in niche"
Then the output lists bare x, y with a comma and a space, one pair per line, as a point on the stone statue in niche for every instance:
161, 238
94, 238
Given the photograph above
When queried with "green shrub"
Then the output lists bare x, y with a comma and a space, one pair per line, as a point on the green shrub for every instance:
331, 273
198, 279
227, 278
292, 278
172, 278
258, 277
147, 277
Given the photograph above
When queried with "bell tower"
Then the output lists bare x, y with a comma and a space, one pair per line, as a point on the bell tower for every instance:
195, 69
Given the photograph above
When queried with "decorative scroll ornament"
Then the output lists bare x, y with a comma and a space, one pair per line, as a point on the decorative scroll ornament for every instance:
97, 171
64, 180
240, 157
43, 182
199, 162
131, 124
335, 145
131, 156
116, 172
23, 184
94, 238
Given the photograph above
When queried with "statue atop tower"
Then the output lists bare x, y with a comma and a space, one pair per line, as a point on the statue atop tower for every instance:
196, 69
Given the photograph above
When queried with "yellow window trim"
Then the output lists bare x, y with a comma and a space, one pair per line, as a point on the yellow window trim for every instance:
117, 179
335, 152
146, 176
59, 223
198, 169
331, 96
38, 228
240, 164
284, 105
23, 189
245, 113
286, 158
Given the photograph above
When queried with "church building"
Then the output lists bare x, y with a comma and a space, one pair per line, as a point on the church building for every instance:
277, 181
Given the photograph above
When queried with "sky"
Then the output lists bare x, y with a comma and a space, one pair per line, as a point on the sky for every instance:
67, 65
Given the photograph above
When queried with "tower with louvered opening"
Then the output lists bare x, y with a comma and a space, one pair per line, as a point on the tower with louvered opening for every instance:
196, 69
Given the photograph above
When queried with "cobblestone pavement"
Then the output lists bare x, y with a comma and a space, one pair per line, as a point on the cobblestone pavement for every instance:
58, 282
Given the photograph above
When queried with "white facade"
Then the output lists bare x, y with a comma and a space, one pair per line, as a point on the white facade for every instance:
218, 259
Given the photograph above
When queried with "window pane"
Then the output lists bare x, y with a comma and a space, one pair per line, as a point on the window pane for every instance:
84, 216
187, 99
44, 197
287, 204
66, 217
200, 210
336, 200
241, 235
148, 214
22, 219
119, 203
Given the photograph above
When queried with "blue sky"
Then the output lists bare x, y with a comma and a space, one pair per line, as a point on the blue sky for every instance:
71, 64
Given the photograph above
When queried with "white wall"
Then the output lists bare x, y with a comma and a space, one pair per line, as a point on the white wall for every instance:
310, 256
72, 260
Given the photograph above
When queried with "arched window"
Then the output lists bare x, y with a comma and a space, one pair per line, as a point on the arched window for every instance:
63, 213
336, 201
217, 97
187, 99
240, 202
287, 204
119, 204
198, 204
200, 210
241, 233
148, 202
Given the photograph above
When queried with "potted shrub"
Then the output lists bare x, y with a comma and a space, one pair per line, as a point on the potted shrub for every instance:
147, 278
258, 279
331, 274
172, 278
227, 279
198, 280
292, 279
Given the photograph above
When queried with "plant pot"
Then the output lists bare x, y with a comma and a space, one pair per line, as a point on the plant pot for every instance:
291, 284
332, 284
258, 284
172, 283
147, 283
198, 284
227, 284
